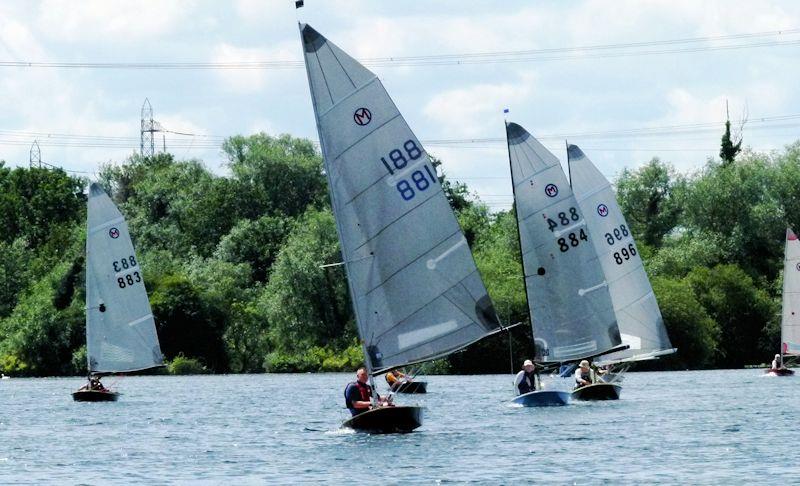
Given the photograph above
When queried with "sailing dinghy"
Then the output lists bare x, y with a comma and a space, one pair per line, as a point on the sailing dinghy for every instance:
638, 316
120, 330
570, 307
415, 289
790, 317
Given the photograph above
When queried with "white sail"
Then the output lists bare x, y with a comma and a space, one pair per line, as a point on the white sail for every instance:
790, 320
571, 310
120, 330
415, 288
640, 323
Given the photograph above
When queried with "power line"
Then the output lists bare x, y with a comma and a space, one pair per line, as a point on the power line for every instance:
528, 55
54, 139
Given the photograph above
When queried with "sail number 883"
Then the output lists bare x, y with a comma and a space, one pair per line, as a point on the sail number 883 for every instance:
420, 180
126, 263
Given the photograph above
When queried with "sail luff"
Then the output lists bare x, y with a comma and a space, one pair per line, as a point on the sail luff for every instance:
571, 312
638, 316
332, 197
519, 235
414, 285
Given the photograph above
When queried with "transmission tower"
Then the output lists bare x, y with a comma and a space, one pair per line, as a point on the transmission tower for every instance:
35, 155
149, 128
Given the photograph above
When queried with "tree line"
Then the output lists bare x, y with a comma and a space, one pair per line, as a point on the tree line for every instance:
233, 264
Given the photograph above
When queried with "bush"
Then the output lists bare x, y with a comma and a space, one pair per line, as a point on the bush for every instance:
317, 358
182, 365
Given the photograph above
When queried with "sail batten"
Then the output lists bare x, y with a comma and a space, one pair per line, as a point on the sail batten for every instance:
568, 299
413, 283
638, 315
120, 328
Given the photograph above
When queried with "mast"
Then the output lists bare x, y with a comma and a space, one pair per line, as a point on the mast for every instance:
783, 295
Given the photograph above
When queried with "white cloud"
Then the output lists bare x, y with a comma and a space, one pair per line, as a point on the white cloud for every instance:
476, 110
250, 80
112, 21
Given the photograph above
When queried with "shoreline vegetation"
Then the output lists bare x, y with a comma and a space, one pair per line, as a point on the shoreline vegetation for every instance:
233, 263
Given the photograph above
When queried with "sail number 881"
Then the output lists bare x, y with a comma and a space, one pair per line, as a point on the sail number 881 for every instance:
420, 180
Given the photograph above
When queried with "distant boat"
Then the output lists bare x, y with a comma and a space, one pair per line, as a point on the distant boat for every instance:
416, 292
638, 316
790, 318
120, 330
570, 307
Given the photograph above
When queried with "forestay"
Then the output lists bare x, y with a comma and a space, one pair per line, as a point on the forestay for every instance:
120, 330
571, 311
414, 285
638, 316
790, 321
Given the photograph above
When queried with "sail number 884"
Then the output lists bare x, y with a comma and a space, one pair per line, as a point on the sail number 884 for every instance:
420, 180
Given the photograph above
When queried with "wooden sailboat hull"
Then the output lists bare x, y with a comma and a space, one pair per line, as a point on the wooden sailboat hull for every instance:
598, 391
95, 396
779, 372
543, 398
386, 420
411, 387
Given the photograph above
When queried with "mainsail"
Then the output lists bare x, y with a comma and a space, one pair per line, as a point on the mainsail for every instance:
790, 321
639, 318
415, 288
120, 330
571, 310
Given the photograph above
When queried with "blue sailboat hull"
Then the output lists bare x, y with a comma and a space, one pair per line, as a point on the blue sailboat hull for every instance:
543, 398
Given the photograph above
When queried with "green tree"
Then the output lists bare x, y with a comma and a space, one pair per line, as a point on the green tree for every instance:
38, 339
281, 176
737, 204
187, 324
689, 326
651, 198
741, 310
729, 150
255, 242
307, 305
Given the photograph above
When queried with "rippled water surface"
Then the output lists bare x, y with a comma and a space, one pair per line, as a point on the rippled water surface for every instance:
690, 427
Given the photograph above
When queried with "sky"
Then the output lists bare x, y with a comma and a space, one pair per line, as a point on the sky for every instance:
625, 80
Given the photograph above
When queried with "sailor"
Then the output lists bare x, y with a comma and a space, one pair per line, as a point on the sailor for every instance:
358, 394
394, 376
776, 363
526, 378
93, 385
583, 375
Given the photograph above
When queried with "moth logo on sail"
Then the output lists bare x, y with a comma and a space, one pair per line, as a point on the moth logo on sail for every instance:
602, 210
551, 190
114, 233
797, 267
362, 116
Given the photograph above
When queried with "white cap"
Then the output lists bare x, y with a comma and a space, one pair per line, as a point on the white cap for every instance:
584, 364
527, 362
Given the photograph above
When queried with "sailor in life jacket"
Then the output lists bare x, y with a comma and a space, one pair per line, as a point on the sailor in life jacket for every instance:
358, 394
526, 378
395, 378
583, 375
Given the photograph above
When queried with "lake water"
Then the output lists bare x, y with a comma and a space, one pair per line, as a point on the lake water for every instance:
709, 427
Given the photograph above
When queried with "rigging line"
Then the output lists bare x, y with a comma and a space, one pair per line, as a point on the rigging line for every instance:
608, 55
625, 131
439, 59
